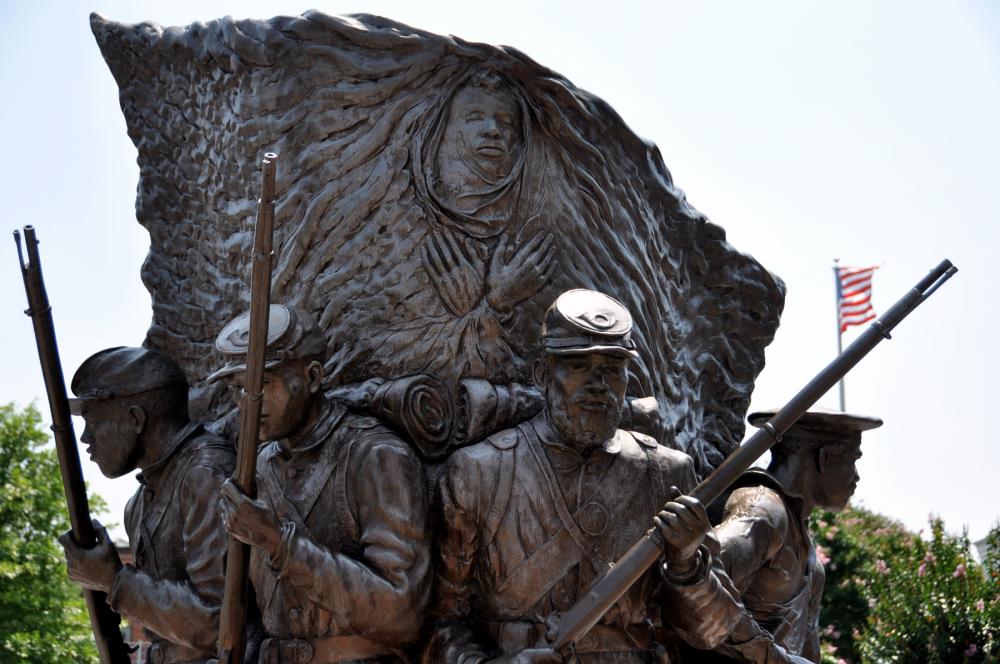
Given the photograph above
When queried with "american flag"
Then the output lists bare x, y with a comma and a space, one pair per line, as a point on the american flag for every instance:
854, 295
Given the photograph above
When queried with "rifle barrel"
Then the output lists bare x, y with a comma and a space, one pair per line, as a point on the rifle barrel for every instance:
104, 622
611, 585
234, 609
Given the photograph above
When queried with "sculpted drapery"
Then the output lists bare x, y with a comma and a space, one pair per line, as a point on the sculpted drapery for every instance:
422, 247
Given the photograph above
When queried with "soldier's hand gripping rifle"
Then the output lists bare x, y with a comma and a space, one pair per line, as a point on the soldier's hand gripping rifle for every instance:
608, 588
234, 602
103, 620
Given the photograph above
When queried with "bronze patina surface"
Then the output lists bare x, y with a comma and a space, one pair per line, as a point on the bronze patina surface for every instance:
339, 530
766, 547
134, 403
532, 515
493, 296
435, 196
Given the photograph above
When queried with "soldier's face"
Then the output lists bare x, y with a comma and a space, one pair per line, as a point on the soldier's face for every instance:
111, 434
585, 394
287, 392
838, 477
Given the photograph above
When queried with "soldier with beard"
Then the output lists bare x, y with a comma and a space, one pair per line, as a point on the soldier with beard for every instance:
135, 405
532, 515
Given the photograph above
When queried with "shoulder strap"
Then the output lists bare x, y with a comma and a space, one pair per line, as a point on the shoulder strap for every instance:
656, 462
347, 525
559, 501
284, 507
501, 494
348, 528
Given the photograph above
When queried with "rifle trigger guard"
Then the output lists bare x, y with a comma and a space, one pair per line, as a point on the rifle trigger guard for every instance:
880, 328
768, 427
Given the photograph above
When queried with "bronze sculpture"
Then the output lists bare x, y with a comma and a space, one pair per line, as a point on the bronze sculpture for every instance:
134, 403
433, 188
339, 530
766, 547
435, 197
531, 515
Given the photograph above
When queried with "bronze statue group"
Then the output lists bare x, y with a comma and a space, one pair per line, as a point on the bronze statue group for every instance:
361, 553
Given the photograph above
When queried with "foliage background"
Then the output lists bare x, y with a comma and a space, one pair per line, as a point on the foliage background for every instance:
892, 596
42, 615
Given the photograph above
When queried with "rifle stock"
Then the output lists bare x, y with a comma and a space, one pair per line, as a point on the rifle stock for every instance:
610, 586
108, 637
232, 622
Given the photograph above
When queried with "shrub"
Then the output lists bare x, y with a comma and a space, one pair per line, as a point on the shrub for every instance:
891, 596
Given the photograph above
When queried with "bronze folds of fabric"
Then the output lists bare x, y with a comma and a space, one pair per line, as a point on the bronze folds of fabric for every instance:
484, 408
417, 406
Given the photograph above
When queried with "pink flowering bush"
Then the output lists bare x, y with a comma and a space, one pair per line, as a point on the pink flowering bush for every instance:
890, 596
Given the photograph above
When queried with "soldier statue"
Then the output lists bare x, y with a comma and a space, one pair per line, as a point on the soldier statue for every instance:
530, 516
339, 531
764, 536
135, 405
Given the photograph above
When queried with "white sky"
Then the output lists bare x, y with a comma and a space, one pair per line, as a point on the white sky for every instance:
859, 130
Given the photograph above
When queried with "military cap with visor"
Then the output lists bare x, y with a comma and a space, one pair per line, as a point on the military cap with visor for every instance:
292, 334
820, 425
123, 371
585, 321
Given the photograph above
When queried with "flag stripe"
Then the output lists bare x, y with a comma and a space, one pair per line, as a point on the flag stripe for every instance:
855, 286
847, 324
848, 271
848, 280
857, 298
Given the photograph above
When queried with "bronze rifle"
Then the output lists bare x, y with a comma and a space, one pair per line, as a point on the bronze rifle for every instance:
110, 644
607, 589
232, 642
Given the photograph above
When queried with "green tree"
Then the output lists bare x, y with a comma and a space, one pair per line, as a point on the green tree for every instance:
892, 596
42, 614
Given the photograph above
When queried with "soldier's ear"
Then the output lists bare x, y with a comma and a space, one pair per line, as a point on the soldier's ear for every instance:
823, 458
314, 376
137, 417
539, 371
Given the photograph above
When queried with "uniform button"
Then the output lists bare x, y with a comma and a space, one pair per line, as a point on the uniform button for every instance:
591, 469
292, 473
593, 518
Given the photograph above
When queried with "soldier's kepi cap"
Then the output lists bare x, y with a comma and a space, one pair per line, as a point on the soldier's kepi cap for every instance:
823, 424
120, 372
292, 334
585, 321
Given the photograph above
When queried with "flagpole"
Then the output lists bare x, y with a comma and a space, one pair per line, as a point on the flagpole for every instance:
840, 341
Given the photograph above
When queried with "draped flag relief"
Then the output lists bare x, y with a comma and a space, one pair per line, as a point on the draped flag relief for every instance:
854, 295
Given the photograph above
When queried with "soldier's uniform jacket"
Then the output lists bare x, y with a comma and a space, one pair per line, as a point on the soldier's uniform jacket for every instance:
771, 558
178, 544
526, 523
350, 580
